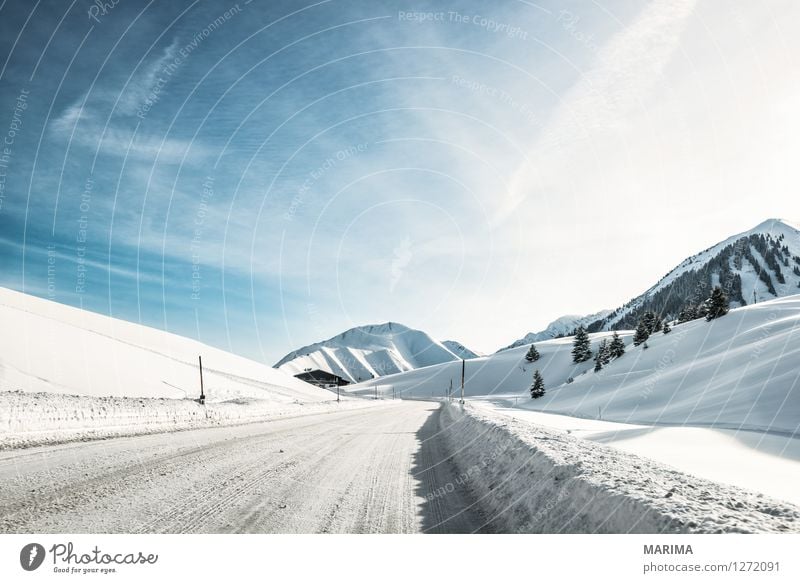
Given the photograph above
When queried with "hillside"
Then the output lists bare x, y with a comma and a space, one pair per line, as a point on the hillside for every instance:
373, 351
739, 371
50, 347
755, 266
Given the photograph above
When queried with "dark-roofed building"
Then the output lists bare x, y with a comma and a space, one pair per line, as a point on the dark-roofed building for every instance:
322, 378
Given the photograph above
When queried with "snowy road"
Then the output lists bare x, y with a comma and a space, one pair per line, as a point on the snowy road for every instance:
369, 470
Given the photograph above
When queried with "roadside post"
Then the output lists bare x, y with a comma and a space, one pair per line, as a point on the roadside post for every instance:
202, 399
463, 367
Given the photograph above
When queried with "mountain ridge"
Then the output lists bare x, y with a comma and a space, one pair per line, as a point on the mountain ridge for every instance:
753, 266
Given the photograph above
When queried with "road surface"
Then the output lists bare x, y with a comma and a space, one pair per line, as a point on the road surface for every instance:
358, 471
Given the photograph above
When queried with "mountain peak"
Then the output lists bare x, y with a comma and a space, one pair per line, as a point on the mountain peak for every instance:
775, 226
372, 350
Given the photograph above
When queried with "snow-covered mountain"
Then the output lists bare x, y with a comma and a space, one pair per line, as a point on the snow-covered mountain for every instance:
366, 352
52, 348
563, 326
757, 265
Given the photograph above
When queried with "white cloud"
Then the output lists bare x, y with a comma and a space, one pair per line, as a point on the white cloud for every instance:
626, 70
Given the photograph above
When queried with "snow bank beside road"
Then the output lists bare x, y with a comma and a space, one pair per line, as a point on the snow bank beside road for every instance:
534, 479
765, 462
30, 419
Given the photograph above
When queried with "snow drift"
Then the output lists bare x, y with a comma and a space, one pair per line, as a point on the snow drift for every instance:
536, 480
30, 419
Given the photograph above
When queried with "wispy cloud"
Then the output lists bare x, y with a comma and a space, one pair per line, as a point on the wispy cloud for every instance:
143, 82
105, 119
625, 71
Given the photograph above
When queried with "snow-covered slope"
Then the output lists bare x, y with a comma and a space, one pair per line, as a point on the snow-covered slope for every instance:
504, 373
739, 371
367, 352
50, 347
755, 266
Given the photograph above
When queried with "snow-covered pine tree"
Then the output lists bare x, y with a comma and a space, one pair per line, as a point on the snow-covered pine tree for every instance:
617, 346
649, 319
641, 334
717, 304
533, 354
537, 388
602, 357
666, 328
605, 351
581, 347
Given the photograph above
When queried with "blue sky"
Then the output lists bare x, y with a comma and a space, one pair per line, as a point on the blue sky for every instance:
264, 175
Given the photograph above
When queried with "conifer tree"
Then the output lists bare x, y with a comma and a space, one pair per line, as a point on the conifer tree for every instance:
641, 334
602, 357
666, 328
717, 304
581, 346
617, 347
649, 319
537, 388
688, 313
533, 354
605, 351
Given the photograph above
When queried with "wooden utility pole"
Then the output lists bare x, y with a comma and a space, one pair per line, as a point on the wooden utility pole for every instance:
202, 393
463, 367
